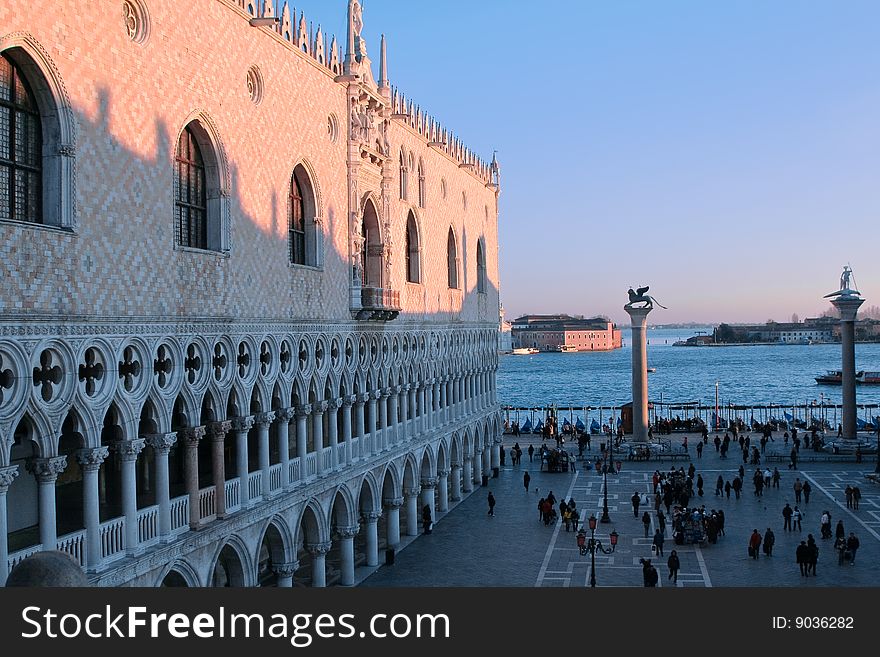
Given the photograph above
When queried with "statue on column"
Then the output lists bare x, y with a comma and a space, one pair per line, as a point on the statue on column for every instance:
641, 296
845, 282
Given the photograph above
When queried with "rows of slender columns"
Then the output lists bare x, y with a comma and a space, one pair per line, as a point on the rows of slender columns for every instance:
7, 475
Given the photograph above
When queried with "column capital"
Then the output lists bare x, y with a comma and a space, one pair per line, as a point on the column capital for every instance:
264, 419
478, 451
405, 387
363, 398
285, 569
318, 549
91, 459
7, 474
393, 502
161, 442
332, 404
370, 516
455, 465
285, 414
243, 423
46, 470
128, 450
348, 532
396, 390
218, 430
430, 482
413, 491
385, 393
319, 407
303, 410
192, 435
468, 458
442, 474
348, 400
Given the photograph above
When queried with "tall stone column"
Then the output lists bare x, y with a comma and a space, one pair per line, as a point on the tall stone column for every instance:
302, 437
436, 420
394, 427
128, 451
263, 421
7, 475
332, 433
359, 423
161, 444
456, 482
638, 318
318, 410
444, 410
191, 438
218, 431
90, 461
284, 573
382, 437
443, 490
319, 567
241, 426
496, 458
370, 520
848, 307
371, 398
346, 428
392, 512
46, 470
284, 416
412, 432
429, 485
404, 409
346, 553
467, 481
412, 511
478, 467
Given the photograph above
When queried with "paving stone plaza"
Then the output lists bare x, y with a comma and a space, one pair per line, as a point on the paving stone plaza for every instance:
514, 548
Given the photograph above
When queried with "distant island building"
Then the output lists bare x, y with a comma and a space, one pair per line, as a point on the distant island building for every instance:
565, 333
505, 337
813, 330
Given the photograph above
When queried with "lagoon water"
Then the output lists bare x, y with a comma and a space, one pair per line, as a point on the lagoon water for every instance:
778, 374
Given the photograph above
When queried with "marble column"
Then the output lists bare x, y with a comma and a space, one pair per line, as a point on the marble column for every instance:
429, 485
370, 521
848, 307
443, 490
302, 437
404, 409
46, 470
218, 431
639, 317
456, 482
359, 423
346, 553
284, 416
412, 432
444, 410
7, 475
478, 467
412, 511
436, 420
394, 426
333, 433
191, 438
346, 428
467, 481
161, 444
496, 458
241, 426
128, 451
90, 461
371, 398
284, 573
319, 568
382, 438
318, 409
263, 421
392, 513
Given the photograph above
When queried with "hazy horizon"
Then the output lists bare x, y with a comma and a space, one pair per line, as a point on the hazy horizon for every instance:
726, 154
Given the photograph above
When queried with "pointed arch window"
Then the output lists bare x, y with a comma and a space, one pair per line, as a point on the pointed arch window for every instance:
413, 268
297, 227
304, 236
190, 194
452, 260
423, 192
404, 176
481, 268
21, 147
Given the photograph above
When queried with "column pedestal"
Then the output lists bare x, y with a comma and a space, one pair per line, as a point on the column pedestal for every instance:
638, 317
848, 306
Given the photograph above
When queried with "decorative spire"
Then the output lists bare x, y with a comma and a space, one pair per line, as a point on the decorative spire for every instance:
383, 66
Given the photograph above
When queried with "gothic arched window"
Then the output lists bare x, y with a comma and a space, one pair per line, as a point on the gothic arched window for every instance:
423, 192
304, 238
413, 269
404, 176
481, 267
297, 227
190, 194
452, 260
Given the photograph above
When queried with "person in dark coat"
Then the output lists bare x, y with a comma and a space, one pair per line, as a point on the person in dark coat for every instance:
636, 500
857, 495
649, 573
526, 479
531, 453
839, 531
769, 540
427, 520
658, 543
674, 564
754, 544
806, 490
719, 485
646, 521
661, 521
852, 544
491, 500
727, 488
802, 557
812, 554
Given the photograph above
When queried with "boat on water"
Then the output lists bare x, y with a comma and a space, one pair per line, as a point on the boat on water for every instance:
652, 369
834, 377
525, 351
567, 348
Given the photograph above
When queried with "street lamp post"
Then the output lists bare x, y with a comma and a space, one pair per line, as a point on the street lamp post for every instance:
716, 423
605, 516
595, 544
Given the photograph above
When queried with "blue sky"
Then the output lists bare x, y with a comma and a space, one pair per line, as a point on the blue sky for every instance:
726, 154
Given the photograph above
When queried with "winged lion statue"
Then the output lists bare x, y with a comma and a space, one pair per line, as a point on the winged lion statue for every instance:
641, 296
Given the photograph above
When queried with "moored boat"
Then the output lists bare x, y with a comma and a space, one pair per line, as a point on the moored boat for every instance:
525, 351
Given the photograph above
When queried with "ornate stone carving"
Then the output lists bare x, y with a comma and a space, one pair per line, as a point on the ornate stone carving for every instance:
218, 430
348, 532
303, 410
370, 516
392, 502
285, 569
91, 459
285, 414
264, 419
413, 491
128, 450
318, 549
429, 483
161, 442
442, 474
7, 475
319, 407
244, 423
192, 435
46, 470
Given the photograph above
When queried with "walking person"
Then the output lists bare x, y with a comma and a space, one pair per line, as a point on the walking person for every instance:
798, 487
727, 488
658, 543
796, 518
699, 450
526, 479
719, 485
813, 554
787, 513
491, 500
847, 492
661, 522
427, 520
769, 541
776, 477
852, 545
646, 521
806, 490
649, 573
754, 544
857, 495
674, 564
636, 500
802, 557
839, 531
531, 453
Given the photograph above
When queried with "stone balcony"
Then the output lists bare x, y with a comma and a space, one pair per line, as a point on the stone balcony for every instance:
378, 304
